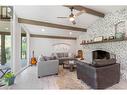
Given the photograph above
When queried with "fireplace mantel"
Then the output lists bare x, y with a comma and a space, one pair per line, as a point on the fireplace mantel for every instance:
105, 41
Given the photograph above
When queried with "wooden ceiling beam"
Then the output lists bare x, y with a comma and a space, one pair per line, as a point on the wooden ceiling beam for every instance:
52, 37
4, 33
86, 10
47, 24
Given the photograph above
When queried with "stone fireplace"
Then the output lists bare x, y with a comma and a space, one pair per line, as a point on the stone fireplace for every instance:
107, 51
106, 27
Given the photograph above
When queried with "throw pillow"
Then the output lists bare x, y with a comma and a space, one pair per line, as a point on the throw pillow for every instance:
47, 58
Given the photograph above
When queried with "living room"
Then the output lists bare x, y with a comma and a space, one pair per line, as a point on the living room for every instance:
58, 45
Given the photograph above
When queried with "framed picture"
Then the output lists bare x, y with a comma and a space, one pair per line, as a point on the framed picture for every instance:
98, 39
119, 35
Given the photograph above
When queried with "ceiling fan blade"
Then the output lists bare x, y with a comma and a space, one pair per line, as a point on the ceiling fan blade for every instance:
62, 17
74, 22
80, 13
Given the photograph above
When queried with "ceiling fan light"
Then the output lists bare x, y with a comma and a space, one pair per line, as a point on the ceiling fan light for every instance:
70, 33
42, 29
71, 19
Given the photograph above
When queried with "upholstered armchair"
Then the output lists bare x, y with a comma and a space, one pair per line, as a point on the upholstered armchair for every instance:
48, 67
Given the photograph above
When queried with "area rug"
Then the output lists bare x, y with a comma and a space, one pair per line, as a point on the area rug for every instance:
68, 80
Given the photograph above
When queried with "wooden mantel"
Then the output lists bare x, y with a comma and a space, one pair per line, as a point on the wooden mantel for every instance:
105, 41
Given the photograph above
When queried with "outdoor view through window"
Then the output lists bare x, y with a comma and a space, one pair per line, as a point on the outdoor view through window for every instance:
5, 35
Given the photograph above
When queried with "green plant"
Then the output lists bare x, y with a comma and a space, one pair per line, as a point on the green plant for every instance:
9, 78
9, 75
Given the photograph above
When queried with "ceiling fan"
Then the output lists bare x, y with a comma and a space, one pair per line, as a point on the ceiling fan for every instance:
72, 16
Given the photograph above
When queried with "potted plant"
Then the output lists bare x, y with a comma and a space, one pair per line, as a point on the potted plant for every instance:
9, 78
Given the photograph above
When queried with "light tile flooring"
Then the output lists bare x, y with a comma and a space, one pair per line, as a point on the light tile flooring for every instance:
28, 80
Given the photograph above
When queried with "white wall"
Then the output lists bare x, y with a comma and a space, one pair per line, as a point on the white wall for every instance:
45, 45
16, 45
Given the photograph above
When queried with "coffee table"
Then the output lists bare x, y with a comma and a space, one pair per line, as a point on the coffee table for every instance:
65, 61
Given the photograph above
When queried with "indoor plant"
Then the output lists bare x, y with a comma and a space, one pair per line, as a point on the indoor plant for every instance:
9, 78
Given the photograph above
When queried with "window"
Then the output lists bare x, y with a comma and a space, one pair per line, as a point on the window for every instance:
23, 47
5, 49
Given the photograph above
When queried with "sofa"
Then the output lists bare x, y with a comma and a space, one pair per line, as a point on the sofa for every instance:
63, 57
59, 55
48, 67
98, 76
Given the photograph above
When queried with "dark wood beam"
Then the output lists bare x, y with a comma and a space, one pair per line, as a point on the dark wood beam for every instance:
86, 10
52, 37
47, 24
4, 33
9, 33
4, 19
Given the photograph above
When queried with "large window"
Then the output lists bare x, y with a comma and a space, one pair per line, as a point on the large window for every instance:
8, 48
6, 16
5, 48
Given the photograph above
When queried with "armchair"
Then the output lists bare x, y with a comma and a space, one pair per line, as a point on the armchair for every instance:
49, 67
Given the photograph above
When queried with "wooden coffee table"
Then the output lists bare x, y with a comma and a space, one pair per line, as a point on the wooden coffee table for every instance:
65, 61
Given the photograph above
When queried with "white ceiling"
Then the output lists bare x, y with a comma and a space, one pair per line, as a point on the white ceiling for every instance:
51, 31
50, 14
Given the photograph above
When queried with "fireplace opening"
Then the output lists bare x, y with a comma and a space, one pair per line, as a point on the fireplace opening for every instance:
100, 54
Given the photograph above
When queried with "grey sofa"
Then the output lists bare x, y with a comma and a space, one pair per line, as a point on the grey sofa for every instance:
46, 68
61, 55
98, 77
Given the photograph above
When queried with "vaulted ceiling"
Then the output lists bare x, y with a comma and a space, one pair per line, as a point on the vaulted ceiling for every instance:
50, 14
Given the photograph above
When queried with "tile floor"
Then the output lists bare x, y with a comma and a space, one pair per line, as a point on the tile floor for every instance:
28, 80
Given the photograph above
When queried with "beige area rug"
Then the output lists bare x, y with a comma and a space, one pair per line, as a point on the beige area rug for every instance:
68, 80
